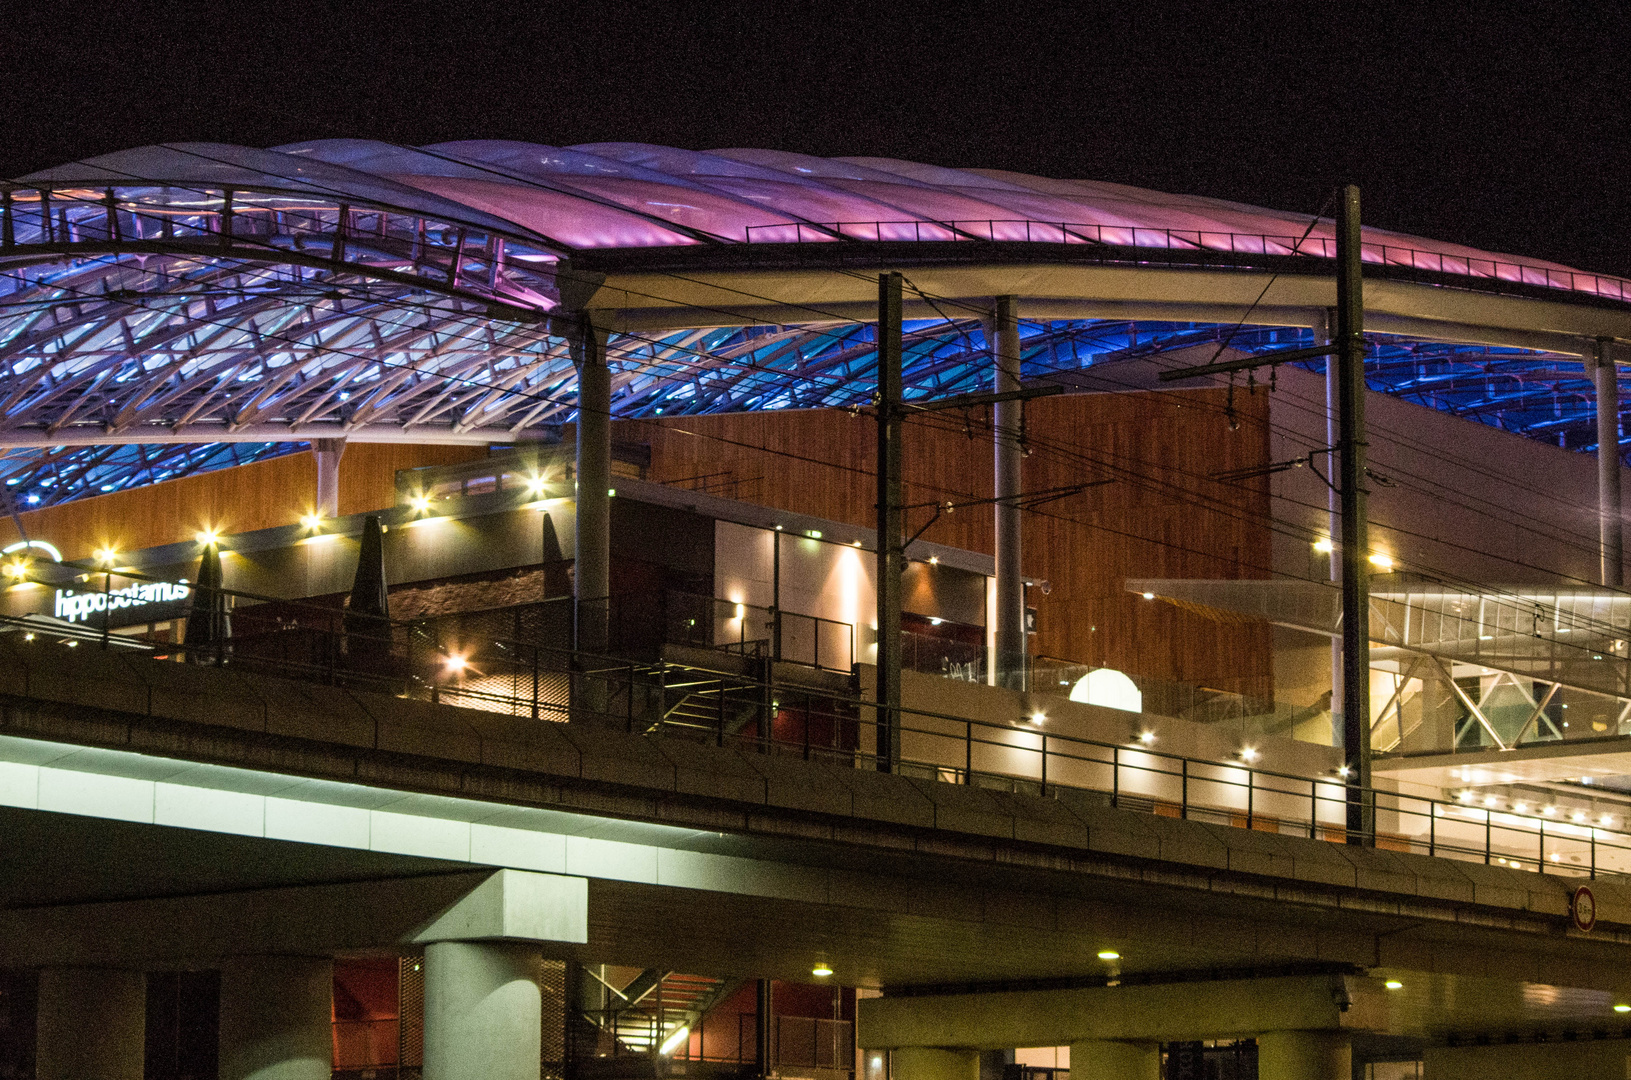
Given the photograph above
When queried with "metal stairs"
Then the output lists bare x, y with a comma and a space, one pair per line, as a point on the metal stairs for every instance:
656, 1004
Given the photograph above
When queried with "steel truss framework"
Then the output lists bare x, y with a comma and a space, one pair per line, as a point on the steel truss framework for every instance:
187, 326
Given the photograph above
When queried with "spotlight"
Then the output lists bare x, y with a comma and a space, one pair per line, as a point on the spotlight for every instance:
455, 663
107, 556
1146, 737
420, 503
1324, 546
1038, 717
207, 537
313, 521
1249, 753
1382, 561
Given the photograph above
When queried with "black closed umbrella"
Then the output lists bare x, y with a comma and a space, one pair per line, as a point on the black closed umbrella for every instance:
209, 625
368, 615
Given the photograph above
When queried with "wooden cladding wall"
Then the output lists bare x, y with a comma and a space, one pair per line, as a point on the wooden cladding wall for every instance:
1156, 510
256, 496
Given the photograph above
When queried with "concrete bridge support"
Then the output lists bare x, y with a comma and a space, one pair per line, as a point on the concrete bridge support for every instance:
1115, 1059
1304, 1055
276, 1013
91, 1024
482, 1011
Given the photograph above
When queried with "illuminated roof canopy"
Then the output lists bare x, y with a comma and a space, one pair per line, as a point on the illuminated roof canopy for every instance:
189, 294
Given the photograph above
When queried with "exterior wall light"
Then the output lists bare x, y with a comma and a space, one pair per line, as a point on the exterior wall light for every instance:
1149, 596
455, 663
1109, 954
107, 556
1394, 984
207, 537
1146, 737
1248, 753
821, 970
1622, 1008
1038, 717
312, 521
1382, 561
420, 503
1324, 546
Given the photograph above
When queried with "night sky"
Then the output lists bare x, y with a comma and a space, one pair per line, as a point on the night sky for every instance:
1502, 126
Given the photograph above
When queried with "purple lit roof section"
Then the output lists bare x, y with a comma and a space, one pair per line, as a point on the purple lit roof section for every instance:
633, 195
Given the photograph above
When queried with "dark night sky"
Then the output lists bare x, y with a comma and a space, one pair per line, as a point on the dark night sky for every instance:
1503, 126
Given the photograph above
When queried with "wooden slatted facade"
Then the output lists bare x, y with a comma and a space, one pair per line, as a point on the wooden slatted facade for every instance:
1157, 511
256, 496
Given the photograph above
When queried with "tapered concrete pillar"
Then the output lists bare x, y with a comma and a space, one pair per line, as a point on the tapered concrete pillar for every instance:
92, 1024
1002, 331
1610, 528
277, 1017
592, 562
482, 1011
933, 1063
328, 453
1304, 1055
1108, 1059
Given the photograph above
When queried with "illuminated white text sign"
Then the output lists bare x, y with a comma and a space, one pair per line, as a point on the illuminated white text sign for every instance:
79, 607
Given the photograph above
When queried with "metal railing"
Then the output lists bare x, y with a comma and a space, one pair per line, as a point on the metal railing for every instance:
752, 630
444, 661
1198, 240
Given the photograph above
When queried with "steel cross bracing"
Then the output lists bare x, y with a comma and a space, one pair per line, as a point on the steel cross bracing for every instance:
185, 319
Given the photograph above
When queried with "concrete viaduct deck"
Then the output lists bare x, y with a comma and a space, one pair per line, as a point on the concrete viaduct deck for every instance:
163, 814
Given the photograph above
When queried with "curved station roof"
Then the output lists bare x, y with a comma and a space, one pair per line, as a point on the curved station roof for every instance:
176, 307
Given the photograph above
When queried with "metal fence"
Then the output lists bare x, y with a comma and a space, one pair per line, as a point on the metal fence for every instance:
449, 662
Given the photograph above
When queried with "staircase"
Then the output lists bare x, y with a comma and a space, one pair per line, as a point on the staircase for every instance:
655, 1004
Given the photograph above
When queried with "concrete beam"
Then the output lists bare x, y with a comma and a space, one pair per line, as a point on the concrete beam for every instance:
1169, 1012
305, 920
516, 905
646, 301
1587, 1059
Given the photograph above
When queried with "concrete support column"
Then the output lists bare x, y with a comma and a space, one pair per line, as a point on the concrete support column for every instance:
1003, 334
1304, 1055
1611, 542
933, 1063
592, 568
328, 453
1111, 1059
482, 1011
276, 1018
92, 1025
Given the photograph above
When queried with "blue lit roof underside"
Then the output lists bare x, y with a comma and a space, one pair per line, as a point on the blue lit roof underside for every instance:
201, 305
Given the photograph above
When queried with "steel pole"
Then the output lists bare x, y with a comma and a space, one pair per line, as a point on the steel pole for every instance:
891, 558
1323, 330
1350, 337
1611, 540
1003, 334
592, 566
